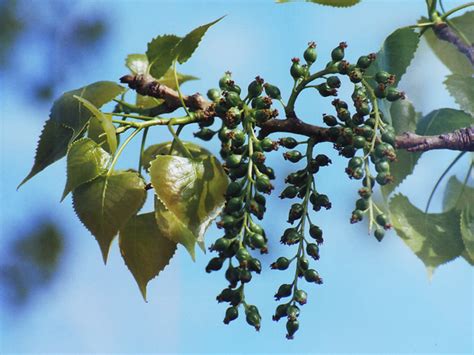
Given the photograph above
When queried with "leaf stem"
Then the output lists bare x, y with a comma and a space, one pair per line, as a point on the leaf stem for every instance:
178, 89
120, 150
142, 148
455, 9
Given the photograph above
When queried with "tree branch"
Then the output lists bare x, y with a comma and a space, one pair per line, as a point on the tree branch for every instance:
446, 33
462, 139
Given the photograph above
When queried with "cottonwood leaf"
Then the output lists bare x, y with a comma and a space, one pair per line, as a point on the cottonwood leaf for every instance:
404, 119
95, 131
145, 250
192, 189
462, 89
67, 121
434, 237
449, 55
86, 160
168, 79
467, 231
443, 121
161, 53
105, 121
106, 203
137, 63
334, 3
186, 47
396, 54
457, 195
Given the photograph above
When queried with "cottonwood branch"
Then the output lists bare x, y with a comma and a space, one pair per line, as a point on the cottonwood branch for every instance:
446, 33
462, 139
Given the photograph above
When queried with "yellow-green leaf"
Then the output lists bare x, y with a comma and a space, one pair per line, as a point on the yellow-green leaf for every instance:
145, 250
462, 89
106, 203
86, 160
160, 54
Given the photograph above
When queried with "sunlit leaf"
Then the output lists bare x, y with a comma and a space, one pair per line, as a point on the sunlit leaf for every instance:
186, 47
160, 54
86, 160
137, 63
106, 203
396, 54
334, 3
404, 119
192, 189
448, 54
435, 237
462, 89
457, 195
106, 122
144, 248
67, 122
95, 131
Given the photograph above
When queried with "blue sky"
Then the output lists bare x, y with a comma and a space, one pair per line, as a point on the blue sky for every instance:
376, 298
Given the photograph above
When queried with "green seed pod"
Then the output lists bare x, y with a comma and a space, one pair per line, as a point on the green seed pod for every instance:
393, 94
310, 54
254, 227
388, 137
234, 189
313, 250
382, 166
234, 205
379, 233
357, 216
258, 157
242, 255
330, 120
255, 265
234, 88
312, 275
253, 318
257, 240
245, 276
316, 233
214, 94
224, 82
296, 211
232, 99
313, 166
289, 192
263, 184
382, 221
232, 275
293, 156
301, 297
322, 160
343, 114
359, 142
325, 90
364, 62
255, 88
371, 180
362, 204
303, 263
383, 178
205, 134
356, 75
220, 244
280, 312
214, 264
230, 314
293, 312
292, 327
382, 77
283, 291
226, 295
233, 161
282, 263
343, 67
288, 142
333, 82
365, 192
260, 103
272, 91
297, 70
263, 115
337, 53
268, 145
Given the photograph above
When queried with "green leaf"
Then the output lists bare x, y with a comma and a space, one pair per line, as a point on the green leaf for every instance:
67, 122
467, 231
457, 195
173, 229
106, 203
168, 79
160, 54
95, 131
334, 3
137, 63
145, 250
462, 89
192, 189
396, 54
186, 47
443, 121
446, 52
404, 119
86, 160
106, 122
435, 237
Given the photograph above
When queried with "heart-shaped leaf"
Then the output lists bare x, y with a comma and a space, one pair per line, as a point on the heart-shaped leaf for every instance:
105, 121
86, 160
67, 122
435, 237
106, 203
144, 248
192, 189
462, 89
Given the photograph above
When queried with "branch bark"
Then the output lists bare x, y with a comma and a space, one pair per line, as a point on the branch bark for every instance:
446, 33
462, 139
